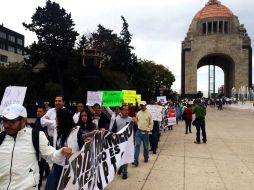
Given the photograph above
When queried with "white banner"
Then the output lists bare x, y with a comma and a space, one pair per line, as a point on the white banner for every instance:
156, 112
162, 99
93, 98
94, 167
13, 95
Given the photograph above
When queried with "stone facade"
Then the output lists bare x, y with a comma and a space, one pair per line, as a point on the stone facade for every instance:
219, 40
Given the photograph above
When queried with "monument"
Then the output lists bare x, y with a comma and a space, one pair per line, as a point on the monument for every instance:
216, 38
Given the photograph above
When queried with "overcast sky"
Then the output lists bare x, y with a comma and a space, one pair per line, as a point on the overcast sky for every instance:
158, 26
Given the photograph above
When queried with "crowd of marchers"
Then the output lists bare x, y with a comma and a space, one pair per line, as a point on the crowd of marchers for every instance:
26, 149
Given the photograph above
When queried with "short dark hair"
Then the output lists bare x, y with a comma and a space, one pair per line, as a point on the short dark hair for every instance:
41, 107
121, 108
60, 96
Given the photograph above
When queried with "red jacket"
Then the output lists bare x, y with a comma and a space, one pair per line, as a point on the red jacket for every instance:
187, 114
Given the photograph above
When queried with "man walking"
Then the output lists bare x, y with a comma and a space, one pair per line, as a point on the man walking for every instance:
18, 156
121, 121
145, 126
49, 119
200, 112
43, 165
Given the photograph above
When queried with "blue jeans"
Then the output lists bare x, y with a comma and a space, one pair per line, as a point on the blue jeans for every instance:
188, 125
200, 124
54, 177
139, 137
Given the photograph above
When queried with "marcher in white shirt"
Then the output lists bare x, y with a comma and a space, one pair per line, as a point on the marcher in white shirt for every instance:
19, 165
49, 119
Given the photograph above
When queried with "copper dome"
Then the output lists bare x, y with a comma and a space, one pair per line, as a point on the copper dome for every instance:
213, 9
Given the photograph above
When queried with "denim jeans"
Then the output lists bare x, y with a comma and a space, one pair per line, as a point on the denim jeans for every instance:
139, 137
188, 125
200, 124
54, 177
154, 137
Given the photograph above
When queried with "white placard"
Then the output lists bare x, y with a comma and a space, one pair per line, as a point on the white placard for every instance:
93, 98
162, 99
13, 95
156, 112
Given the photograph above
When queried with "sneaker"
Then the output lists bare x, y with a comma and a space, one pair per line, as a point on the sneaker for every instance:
204, 142
146, 160
197, 142
154, 152
125, 176
135, 163
186, 133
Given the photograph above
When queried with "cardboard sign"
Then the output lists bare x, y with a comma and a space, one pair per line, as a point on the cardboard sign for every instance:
129, 96
156, 112
93, 98
112, 98
171, 113
13, 95
162, 99
94, 167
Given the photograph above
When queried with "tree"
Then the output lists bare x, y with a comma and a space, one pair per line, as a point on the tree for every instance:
56, 39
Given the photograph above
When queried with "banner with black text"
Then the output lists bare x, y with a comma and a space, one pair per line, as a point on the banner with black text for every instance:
94, 167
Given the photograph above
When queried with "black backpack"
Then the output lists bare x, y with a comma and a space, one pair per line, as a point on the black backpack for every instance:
35, 139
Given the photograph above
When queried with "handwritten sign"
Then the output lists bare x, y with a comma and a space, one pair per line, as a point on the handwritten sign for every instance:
162, 99
156, 112
93, 98
171, 113
13, 95
112, 98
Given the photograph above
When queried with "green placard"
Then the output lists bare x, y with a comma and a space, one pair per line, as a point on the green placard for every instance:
112, 98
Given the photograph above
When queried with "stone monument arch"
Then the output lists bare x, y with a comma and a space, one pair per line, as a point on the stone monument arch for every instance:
217, 38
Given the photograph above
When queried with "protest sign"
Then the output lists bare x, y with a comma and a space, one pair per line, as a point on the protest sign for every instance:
94, 167
93, 98
171, 116
138, 97
112, 98
129, 96
156, 112
162, 99
13, 95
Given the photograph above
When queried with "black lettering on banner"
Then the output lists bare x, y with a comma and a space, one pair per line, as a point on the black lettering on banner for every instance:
111, 152
117, 149
105, 170
99, 181
65, 178
103, 156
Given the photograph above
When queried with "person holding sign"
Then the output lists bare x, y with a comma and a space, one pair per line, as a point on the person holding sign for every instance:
87, 127
18, 156
145, 126
67, 135
121, 121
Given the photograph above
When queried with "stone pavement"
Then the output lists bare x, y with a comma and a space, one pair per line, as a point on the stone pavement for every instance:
226, 162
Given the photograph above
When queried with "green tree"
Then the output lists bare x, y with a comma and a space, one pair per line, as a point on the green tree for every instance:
56, 39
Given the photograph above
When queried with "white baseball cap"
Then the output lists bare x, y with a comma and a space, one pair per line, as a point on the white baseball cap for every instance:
14, 111
143, 103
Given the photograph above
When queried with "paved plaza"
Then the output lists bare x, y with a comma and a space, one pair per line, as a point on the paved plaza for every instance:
226, 162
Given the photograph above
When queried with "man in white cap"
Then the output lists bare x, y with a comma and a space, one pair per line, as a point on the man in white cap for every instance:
19, 164
145, 126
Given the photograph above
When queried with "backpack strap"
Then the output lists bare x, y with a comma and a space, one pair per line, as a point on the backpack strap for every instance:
2, 137
35, 139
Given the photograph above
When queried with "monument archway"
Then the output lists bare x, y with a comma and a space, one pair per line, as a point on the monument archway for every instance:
226, 63
216, 37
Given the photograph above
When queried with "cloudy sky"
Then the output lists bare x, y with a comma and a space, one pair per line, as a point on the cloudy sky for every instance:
158, 27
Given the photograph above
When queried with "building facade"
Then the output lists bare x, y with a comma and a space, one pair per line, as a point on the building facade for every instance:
216, 38
11, 46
